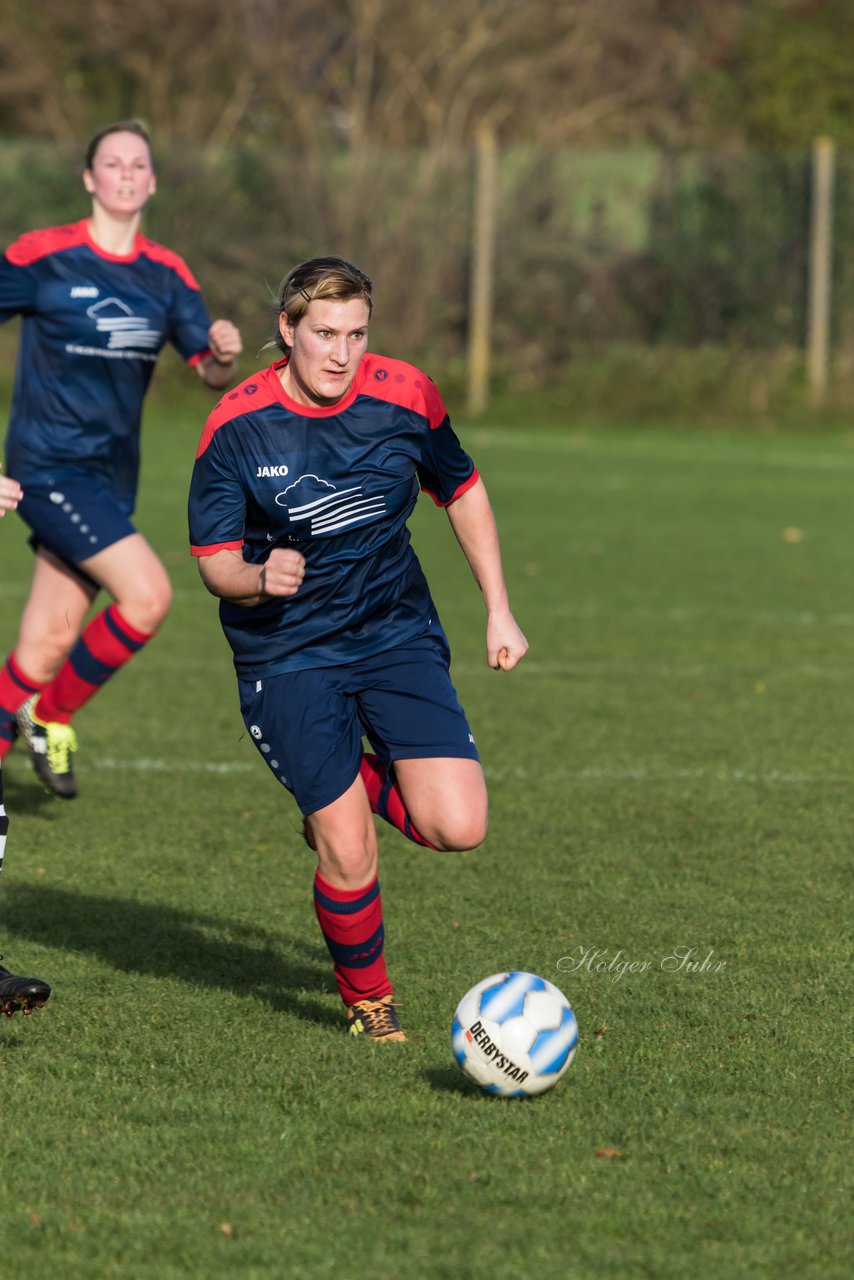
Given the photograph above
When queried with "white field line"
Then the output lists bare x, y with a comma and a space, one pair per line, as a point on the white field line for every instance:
147, 765
590, 773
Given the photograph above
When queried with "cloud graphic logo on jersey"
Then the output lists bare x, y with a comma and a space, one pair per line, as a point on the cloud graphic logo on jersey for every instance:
129, 336
326, 508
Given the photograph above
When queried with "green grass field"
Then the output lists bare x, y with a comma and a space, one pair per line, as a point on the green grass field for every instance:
670, 770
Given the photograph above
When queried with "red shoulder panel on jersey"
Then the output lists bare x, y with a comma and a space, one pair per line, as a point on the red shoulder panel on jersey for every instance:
402, 384
33, 245
158, 253
254, 393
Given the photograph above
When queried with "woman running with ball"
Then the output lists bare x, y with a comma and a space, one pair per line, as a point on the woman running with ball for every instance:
305, 477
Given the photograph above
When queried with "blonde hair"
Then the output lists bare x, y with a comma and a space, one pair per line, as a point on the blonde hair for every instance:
319, 279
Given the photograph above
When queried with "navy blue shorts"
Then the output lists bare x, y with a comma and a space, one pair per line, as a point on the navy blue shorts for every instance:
308, 725
75, 518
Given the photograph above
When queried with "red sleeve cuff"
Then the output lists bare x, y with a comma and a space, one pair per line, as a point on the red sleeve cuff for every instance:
215, 547
458, 493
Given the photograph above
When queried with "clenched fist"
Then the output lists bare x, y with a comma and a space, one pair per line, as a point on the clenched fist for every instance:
283, 572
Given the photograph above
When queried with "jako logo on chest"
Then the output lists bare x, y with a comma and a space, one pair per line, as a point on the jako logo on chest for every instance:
263, 472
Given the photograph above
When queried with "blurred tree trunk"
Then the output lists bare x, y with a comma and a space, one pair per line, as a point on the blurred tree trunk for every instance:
357, 72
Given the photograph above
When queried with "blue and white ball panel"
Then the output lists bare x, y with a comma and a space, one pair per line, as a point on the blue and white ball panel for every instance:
507, 997
458, 1041
498, 1091
516, 1036
554, 1048
468, 1010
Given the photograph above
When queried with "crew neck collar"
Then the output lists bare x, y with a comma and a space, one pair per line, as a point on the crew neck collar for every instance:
311, 410
103, 253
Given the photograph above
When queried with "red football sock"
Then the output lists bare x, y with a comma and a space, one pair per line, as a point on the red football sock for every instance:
386, 800
107, 643
351, 921
15, 688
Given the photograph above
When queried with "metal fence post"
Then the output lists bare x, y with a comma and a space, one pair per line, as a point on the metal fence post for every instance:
821, 255
483, 257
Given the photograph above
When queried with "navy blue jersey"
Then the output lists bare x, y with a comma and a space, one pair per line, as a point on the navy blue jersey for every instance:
337, 484
92, 327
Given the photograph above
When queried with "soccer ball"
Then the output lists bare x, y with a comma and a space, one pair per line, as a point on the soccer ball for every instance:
514, 1034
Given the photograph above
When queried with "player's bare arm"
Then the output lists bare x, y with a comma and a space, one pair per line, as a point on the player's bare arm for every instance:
473, 523
219, 368
11, 494
227, 575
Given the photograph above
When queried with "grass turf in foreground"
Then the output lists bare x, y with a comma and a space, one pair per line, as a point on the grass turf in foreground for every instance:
671, 769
